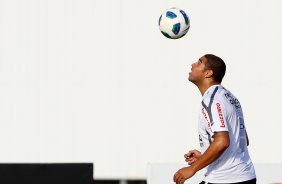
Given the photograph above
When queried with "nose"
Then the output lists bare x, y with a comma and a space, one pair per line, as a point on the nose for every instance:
191, 66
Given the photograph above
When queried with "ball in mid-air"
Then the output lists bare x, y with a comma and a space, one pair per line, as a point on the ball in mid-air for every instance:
174, 23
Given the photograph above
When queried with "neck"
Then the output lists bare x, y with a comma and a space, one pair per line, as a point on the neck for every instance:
205, 86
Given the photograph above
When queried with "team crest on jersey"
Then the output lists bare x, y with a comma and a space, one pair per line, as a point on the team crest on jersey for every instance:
201, 141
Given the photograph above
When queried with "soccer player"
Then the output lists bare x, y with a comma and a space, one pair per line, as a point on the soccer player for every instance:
222, 134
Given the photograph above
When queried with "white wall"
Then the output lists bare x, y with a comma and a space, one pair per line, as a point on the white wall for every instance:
95, 81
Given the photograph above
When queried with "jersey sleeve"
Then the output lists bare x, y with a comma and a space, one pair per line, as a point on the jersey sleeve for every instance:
219, 123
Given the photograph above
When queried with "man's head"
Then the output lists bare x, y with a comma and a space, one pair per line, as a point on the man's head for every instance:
208, 68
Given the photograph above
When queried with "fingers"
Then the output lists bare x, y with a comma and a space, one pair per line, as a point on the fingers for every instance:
191, 161
192, 153
178, 178
189, 154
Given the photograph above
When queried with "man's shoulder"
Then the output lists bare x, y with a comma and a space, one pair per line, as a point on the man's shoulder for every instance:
215, 92
218, 94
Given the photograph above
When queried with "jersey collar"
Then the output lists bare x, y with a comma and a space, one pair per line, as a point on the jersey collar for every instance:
210, 90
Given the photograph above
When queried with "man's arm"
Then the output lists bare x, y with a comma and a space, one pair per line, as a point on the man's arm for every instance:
217, 147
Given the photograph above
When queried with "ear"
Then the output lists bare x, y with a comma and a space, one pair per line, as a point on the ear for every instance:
208, 73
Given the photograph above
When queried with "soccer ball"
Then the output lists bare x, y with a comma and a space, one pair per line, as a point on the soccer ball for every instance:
174, 23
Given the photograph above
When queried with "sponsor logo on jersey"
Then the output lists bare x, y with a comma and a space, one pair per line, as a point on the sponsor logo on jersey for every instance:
206, 117
222, 124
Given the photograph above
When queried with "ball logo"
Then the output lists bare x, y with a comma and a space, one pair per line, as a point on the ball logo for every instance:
220, 115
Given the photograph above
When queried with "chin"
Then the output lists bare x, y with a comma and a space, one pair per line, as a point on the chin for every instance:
189, 79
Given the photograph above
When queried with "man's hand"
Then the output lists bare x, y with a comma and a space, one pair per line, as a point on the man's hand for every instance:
192, 156
183, 174
217, 147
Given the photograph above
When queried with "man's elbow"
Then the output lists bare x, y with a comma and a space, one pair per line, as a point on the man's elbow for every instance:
222, 140
225, 144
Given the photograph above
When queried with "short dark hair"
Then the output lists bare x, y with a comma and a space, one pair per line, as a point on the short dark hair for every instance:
217, 65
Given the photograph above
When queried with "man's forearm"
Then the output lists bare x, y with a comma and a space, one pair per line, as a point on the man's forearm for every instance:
216, 148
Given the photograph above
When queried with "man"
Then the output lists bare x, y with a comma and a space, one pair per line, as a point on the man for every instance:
222, 134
